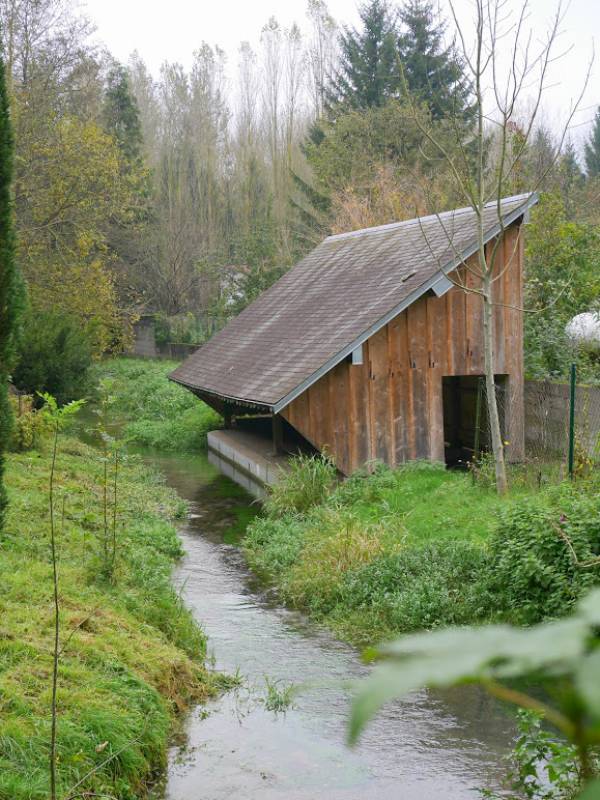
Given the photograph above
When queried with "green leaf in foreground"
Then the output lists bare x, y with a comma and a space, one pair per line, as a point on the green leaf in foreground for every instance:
489, 655
591, 792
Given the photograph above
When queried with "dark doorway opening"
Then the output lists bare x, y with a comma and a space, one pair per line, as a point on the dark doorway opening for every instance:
466, 429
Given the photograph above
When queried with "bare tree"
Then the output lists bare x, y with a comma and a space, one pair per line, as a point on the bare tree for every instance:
321, 51
507, 65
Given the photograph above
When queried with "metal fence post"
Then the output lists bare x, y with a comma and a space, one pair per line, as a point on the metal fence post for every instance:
478, 419
572, 420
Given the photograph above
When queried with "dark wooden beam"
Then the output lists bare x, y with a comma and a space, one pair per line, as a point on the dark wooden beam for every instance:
277, 423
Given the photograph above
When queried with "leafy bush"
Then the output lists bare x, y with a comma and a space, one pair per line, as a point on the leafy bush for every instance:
55, 356
542, 767
29, 424
563, 279
421, 547
273, 544
420, 587
537, 550
307, 484
560, 659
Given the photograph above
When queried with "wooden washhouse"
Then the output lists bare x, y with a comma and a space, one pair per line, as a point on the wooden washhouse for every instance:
369, 349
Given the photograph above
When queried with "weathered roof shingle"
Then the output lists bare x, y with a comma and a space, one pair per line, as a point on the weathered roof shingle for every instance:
338, 295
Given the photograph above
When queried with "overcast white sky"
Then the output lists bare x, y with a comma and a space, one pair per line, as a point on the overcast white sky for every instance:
172, 30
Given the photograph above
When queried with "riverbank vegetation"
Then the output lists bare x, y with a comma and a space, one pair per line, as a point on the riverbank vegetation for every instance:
155, 412
422, 547
131, 656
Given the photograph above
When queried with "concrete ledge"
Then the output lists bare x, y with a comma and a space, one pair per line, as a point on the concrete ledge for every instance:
247, 459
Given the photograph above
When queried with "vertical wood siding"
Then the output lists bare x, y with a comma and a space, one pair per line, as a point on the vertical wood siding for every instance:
390, 408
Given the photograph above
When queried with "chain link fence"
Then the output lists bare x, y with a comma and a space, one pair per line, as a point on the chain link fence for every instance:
554, 434
562, 425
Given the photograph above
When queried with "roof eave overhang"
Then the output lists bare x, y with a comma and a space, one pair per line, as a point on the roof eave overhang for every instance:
507, 220
228, 398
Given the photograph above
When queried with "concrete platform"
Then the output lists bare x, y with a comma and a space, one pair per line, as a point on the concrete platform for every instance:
247, 458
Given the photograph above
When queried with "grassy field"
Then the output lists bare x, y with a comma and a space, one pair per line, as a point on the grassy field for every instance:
420, 547
132, 656
156, 412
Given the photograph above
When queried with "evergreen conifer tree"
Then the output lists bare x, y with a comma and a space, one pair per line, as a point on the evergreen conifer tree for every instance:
570, 162
433, 72
122, 114
571, 178
128, 231
592, 149
11, 287
368, 74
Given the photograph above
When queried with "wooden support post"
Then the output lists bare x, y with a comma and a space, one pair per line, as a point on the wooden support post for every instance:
227, 417
277, 424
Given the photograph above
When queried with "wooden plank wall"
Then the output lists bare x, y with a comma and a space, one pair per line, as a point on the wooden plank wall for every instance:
390, 408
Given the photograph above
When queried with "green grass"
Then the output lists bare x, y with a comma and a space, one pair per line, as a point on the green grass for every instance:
133, 656
420, 547
427, 502
156, 412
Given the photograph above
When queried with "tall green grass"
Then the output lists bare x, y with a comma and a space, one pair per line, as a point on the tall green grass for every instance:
308, 482
420, 547
154, 411
132, 655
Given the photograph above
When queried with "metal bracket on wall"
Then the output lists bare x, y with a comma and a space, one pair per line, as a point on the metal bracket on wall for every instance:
357, 355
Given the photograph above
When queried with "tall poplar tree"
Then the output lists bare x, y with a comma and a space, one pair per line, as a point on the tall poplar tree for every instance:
592, 149
11, 287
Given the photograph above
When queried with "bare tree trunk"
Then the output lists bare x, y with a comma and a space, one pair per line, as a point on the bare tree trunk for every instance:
490, 386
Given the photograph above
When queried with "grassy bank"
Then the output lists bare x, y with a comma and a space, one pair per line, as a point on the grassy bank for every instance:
420, 547
132, 655
156, 412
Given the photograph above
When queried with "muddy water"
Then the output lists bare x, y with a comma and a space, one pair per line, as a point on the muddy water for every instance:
429, 746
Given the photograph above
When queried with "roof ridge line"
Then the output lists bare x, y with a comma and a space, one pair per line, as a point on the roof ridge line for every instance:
406, 223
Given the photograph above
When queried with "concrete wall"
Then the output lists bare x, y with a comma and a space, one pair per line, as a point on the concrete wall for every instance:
143, 338
144, 344
246, 458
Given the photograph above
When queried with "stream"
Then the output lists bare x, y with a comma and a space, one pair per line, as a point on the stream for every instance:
432, 745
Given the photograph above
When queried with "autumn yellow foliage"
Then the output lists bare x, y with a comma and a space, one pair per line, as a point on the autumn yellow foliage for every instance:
70, 184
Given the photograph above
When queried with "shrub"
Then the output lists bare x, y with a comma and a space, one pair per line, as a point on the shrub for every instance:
542, 765
54, 356
420, 587
308, 483
29, 424
535, 550
272, 545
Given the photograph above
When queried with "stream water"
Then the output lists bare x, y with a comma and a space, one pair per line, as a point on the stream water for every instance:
432, 745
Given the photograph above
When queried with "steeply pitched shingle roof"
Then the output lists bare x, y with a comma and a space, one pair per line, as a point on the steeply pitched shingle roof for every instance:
341, 293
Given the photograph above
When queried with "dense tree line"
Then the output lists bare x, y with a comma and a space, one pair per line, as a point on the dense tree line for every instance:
192, 190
